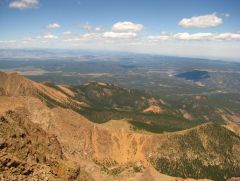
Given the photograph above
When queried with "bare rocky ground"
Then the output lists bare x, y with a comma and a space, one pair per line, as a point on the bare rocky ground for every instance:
27, 152
38, 143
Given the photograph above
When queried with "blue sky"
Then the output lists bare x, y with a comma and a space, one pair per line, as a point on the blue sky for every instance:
201, 28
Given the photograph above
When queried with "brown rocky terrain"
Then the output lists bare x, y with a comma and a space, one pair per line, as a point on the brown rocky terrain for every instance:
39, 142
153, 109
13, 84
94, 147
27, 152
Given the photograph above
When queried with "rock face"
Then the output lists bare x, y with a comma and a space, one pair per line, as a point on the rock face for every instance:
21, 135
153, 109
27, 152
15, 85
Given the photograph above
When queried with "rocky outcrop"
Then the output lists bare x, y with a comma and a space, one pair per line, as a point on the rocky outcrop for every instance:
27, 152
12, 84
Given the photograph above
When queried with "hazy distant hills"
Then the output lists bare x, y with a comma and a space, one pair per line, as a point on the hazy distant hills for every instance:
64, 54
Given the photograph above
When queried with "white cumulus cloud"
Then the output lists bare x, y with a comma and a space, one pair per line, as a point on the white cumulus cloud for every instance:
205, 21
112, 34
91, 36
208, 36
50, 37
127, 26
24, 4
228, 36
195, 36
158, 37
98, 29
53, 26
